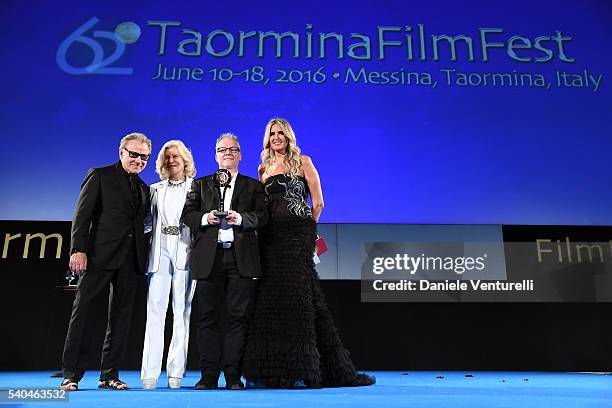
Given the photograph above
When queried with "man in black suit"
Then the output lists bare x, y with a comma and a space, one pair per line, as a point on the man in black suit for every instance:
225, 260
108, 247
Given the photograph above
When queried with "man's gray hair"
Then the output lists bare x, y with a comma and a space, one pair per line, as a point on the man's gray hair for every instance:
136, 136
227, 135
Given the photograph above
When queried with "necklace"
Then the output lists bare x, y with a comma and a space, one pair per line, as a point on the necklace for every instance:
176, 184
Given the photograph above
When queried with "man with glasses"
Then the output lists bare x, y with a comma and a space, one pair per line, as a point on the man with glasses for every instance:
225, 262
107, 248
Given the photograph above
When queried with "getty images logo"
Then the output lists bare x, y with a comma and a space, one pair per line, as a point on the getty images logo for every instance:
125, 33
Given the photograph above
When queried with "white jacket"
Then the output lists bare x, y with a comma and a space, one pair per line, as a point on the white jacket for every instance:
183, 249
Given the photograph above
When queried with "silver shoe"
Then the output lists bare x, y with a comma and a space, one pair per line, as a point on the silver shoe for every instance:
174, 382
149, 383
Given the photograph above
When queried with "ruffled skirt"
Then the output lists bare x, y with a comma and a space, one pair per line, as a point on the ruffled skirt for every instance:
292, 340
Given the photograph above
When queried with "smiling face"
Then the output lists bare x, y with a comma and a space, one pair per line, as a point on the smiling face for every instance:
140, 151
278, 140
174, 164
225, 157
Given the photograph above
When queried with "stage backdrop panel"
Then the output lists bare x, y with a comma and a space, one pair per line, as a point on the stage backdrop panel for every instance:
573, 336
470, 112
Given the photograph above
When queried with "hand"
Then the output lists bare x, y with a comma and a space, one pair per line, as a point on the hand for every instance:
233, 218
78, 262
212, 219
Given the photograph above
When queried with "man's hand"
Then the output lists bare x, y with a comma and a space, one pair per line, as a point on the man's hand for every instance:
234, 218
212, 219
78, 262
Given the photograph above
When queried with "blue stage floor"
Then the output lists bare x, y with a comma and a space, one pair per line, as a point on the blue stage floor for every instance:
393, 389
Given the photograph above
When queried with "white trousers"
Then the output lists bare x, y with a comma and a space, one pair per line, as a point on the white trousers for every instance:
160, 283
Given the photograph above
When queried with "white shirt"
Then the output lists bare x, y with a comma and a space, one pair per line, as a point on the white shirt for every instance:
171, 208
226, 232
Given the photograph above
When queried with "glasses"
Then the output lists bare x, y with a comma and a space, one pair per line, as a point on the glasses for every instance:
133, 155
223, 150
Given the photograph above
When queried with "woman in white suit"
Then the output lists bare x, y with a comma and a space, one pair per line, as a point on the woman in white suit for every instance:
169, 267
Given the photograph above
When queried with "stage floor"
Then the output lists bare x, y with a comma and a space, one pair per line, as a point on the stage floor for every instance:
393, 389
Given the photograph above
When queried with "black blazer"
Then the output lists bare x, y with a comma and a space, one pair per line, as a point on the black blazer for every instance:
249, 200
105, 221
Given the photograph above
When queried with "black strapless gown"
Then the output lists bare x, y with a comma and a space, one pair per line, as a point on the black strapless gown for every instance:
292, 340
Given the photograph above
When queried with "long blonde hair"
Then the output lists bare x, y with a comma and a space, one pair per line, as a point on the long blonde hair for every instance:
292, 151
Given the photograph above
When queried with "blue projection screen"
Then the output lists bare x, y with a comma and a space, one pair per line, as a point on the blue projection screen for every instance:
473, 112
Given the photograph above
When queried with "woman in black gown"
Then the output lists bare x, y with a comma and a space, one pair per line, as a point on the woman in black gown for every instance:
292, 340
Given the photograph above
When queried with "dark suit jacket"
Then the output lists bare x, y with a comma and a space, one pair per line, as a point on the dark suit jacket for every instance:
105, 221
249, 200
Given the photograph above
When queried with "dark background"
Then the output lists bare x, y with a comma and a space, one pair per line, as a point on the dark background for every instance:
568, 336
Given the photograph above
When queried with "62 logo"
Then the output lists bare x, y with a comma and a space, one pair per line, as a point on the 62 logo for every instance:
125, 33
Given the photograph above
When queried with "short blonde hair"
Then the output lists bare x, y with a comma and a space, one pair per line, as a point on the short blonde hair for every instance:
190, 170
135, 136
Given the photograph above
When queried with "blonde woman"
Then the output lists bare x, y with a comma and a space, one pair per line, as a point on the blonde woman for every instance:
292, 340
168, 268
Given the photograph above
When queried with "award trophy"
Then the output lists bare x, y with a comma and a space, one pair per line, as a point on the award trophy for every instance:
222, 178
71, 286
70, 277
